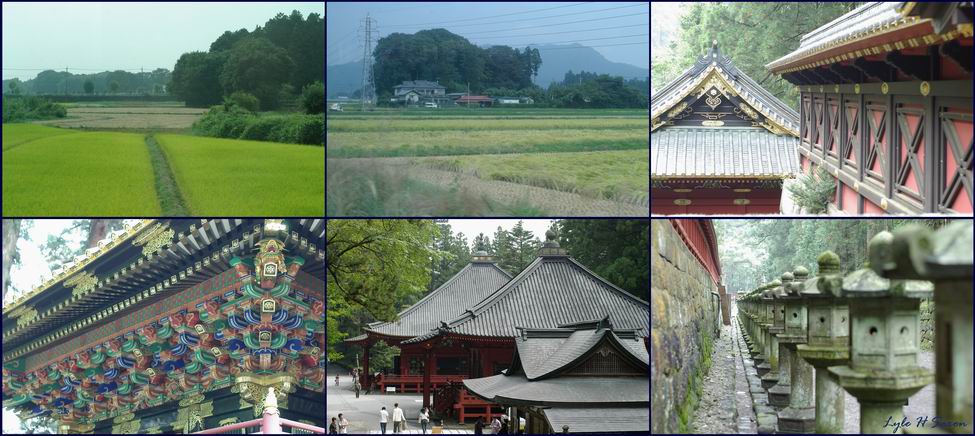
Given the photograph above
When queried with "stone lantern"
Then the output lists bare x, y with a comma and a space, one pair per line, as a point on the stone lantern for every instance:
884, 334
769, 372
827, 340
945, 258
778, 395
800, 416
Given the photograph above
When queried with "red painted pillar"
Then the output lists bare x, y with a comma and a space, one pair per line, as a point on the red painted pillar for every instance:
427, 369
365, 366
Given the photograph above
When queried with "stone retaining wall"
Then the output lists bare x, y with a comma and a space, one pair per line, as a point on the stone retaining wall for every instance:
684, 322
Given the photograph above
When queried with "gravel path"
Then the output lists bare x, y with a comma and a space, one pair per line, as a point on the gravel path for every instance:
555, 203
717, 410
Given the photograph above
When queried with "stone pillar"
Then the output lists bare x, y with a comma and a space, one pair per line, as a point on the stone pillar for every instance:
800, 416
778, 395
944, 257
885, 335
827, 340
725, 305
778, 326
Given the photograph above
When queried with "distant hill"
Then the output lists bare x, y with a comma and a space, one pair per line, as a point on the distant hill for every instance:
347, 78
555, 63
343, 79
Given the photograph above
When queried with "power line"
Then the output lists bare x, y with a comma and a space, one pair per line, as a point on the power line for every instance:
84, 69
555, 24
594, 46
539, 18
486, 18
343, 38
567, 31
591, 39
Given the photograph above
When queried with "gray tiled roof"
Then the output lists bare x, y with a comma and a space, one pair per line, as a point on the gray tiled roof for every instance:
551, 291
599, 419
746, 87
870, 17
688, 152
469, 286
594, 391
545, 356
419, 84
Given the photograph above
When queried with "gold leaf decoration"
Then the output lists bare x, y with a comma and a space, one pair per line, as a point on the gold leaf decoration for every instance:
83, 283
27, 316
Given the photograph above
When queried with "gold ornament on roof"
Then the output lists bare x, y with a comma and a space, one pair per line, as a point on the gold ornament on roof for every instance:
83, 283
925, 88
154, 239
28, 315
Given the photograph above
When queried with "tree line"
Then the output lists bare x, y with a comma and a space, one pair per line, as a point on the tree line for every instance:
52, 82
274, 63
377, 268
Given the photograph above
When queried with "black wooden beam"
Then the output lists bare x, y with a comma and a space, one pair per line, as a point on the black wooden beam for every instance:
877, 70
846, 73
958, 54
808, 77
794, 78
916, 66
828, 75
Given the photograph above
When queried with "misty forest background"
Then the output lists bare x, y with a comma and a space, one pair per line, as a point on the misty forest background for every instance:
752, 34
377, 268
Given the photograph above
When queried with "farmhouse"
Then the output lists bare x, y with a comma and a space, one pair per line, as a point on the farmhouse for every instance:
419, 91
514, 100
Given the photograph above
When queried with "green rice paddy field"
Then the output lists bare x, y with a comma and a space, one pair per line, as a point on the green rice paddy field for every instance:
60, 172
500, 161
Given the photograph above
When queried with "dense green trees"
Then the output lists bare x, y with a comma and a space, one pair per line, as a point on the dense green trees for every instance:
271, 62
439, 55
89, 87
313, 98
29, 108
196, 78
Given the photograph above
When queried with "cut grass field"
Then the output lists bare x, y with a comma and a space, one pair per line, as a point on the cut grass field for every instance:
77, 174
599, 174
596, 154
235, 177
63, 172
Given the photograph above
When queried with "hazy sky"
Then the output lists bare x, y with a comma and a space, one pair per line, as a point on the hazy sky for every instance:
472, 227
109, 36
478, 22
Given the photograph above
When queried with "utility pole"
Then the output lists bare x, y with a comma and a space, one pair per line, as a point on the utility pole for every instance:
468, 95
368, 91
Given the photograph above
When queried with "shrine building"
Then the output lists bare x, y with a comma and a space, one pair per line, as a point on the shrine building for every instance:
886, 106
719, 143
469, 326
176, 326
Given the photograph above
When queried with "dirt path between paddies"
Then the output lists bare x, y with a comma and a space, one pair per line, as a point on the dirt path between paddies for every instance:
552, 202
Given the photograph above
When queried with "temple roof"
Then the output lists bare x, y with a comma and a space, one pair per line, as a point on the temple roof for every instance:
733, 152
465, 289
598, 419
875, 28
544, 353
147, 262
592, 364
713, 70
553, 290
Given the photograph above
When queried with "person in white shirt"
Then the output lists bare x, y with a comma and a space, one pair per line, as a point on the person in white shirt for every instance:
383, 419
424, 419
343, 425
398, 418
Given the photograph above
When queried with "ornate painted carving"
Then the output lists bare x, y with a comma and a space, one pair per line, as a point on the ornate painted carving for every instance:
27, 315
83, 283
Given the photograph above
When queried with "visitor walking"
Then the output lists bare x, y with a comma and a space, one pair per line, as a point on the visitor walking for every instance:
343, 425
424, 419
398, 418
504, 424
478, 426
336, 380
383, 419
333, 428
495, 425
357, 388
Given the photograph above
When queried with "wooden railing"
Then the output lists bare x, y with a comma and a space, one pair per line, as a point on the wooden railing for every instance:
414, 383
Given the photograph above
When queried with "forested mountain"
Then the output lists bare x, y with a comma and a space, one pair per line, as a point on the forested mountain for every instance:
557, 60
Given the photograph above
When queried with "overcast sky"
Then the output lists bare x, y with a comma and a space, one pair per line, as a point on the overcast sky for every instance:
110, 36
479, 23
471, 228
